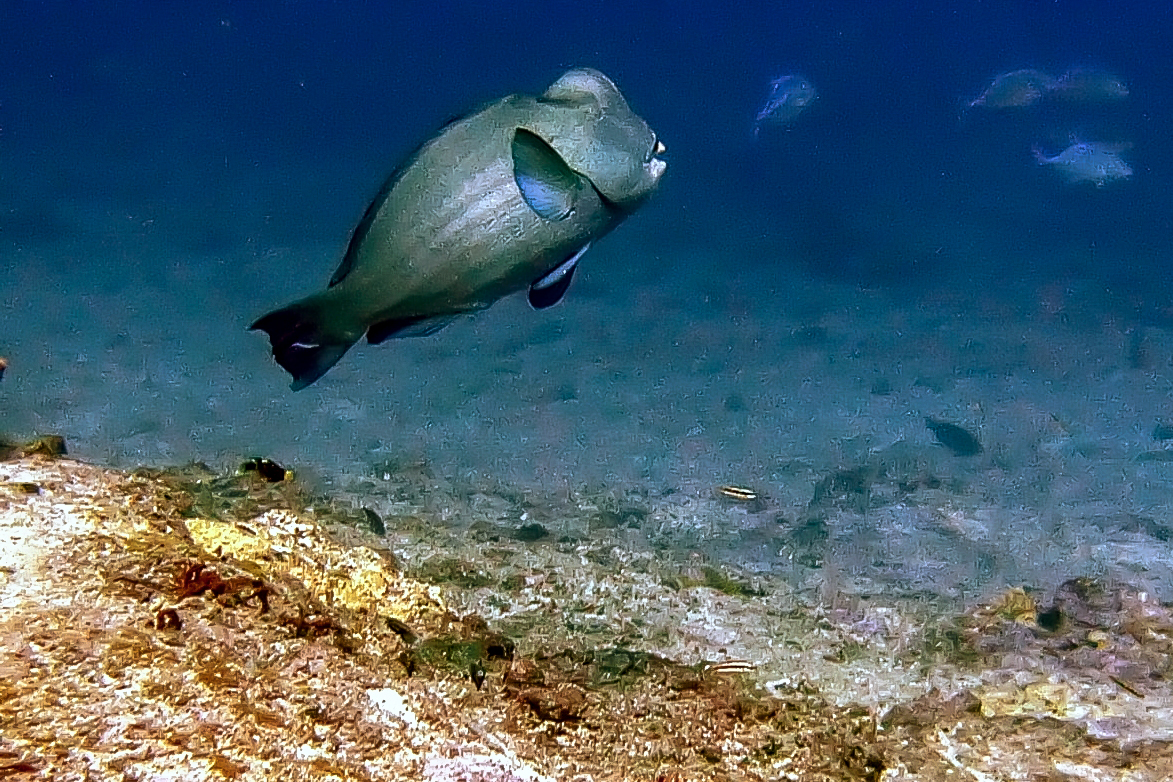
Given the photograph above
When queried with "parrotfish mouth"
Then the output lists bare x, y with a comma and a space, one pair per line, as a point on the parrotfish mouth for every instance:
657, 167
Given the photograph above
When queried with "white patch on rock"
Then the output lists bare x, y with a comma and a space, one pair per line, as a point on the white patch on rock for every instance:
392, 705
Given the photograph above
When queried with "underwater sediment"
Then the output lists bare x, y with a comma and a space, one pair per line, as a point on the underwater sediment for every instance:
190, 624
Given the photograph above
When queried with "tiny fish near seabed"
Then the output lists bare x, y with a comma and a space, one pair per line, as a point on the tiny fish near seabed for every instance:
1014, 89
1088, 161
789, 96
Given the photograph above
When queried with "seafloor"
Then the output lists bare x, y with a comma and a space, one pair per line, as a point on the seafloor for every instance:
193, 625
669, 370
556, 477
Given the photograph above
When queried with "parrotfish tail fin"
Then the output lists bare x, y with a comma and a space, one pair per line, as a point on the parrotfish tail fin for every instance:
1040, 158
300, 345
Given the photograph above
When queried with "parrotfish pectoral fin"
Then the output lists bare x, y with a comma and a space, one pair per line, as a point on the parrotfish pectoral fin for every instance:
547, 184
549, 289
299, 344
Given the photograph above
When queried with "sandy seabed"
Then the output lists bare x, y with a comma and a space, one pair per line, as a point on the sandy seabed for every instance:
670, 369
882, 607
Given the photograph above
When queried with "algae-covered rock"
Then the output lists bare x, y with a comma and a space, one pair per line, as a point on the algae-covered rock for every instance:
358, 578
143, 638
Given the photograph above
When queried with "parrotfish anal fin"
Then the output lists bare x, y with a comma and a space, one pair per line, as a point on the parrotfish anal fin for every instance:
419, 326
549, 289
547, 184
299, 345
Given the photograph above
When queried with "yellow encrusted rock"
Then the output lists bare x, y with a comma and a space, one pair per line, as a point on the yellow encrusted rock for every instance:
358, 578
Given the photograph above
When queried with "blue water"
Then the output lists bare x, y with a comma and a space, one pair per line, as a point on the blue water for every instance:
219, 108
169, 172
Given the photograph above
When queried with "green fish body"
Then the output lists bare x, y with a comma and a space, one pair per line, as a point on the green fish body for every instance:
507, 198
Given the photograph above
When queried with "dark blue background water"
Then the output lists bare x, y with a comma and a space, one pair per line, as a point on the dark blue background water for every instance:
272, 121
170, 171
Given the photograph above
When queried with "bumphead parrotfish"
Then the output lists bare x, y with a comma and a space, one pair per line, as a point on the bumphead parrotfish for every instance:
504, 199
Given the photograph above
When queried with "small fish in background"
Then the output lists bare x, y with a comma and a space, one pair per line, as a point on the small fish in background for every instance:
3, 366
1088, 161
790, 95
1014, 89
1083, 84
959, 441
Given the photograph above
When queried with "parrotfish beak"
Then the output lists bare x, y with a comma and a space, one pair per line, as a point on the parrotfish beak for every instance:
655, 166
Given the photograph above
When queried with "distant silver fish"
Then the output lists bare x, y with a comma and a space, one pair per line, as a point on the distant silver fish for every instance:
1085, 84
789, 96
1088, 161
1014, 89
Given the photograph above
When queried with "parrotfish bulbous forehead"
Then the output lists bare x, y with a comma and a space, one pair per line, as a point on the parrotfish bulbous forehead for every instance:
587, 121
